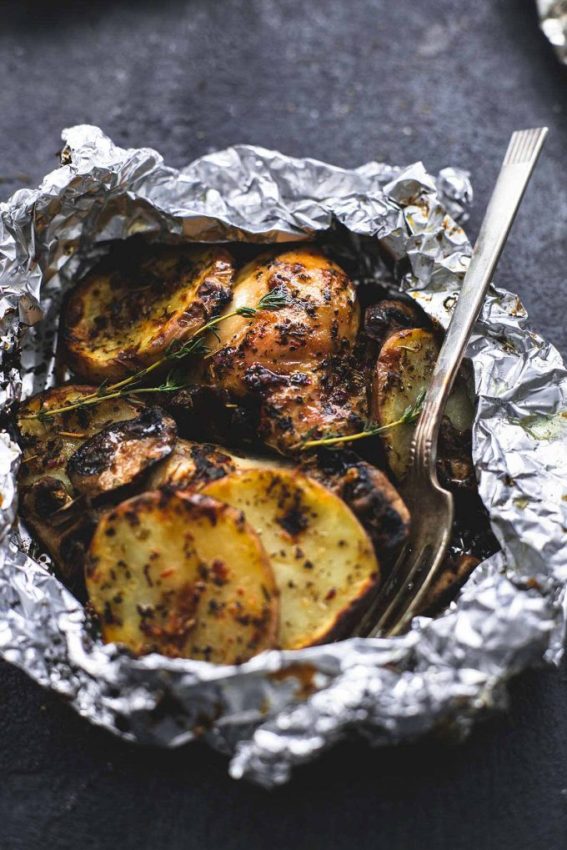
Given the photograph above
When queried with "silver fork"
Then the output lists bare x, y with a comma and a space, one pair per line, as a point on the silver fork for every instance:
430, 506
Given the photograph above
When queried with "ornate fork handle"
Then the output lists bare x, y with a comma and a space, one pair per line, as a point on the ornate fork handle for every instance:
431, 506
518, 164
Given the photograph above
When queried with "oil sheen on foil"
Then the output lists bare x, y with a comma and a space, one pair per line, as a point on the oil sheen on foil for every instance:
283, 708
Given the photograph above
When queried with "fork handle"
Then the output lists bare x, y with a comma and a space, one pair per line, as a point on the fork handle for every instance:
521, 157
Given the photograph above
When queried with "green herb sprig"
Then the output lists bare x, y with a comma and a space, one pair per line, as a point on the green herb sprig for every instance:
410, 415
193, 347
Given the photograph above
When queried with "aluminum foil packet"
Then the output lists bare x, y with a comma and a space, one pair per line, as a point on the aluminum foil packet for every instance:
283, 708
553, 22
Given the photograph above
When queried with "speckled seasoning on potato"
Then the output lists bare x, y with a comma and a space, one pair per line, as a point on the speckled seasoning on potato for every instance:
183, 575
403, 371
323, 560
121, 318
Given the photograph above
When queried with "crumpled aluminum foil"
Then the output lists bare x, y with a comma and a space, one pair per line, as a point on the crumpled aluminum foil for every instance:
283, 708
553, 22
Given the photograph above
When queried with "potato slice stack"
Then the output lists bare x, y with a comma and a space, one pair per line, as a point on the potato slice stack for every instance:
258, 558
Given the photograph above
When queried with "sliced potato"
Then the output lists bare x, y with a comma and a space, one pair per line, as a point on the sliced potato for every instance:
403, 371
183, 575
322, 558
121, 453
122, 318
369, 494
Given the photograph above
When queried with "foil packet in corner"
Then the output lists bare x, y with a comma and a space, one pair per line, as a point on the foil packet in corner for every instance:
283, 708
553, 22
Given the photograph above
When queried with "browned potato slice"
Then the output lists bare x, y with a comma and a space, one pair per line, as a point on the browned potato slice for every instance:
122, 318
182, 575
403, 371
365, 489
322, 558
121, 453
369, 494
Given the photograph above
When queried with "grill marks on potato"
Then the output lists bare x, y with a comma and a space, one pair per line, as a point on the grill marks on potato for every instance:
323, 560
121, 319
183, 575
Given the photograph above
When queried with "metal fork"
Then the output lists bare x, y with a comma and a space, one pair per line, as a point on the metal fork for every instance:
431, 507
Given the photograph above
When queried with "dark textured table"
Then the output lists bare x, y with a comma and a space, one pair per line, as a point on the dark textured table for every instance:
346, 81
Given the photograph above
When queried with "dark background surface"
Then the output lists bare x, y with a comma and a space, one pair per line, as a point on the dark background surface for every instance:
347, 81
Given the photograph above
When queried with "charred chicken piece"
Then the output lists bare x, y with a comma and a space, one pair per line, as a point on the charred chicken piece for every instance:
208, 414
295, 356
121, 453
123, 316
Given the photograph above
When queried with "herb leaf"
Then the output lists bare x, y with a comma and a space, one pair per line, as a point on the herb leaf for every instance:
410, 415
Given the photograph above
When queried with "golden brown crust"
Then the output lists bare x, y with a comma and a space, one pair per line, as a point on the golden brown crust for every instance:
296, 359
323, 560
183, 575
120, 319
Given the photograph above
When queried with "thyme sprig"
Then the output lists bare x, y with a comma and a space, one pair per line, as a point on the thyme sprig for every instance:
195, 346
410, 415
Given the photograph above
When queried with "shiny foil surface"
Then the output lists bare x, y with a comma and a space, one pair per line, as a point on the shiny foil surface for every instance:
553, 21
283, 708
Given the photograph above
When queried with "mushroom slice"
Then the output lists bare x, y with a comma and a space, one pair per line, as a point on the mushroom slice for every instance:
48, 441
323, 561
121, 453
60, 521
183, 575
191, 464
